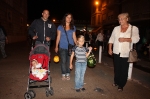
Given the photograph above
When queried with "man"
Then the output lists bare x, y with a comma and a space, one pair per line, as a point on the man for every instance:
42, 30
3, 39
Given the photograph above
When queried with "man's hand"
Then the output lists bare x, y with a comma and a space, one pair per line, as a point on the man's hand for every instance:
35, 37
48, 39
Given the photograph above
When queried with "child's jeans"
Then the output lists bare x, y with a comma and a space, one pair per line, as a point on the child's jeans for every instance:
80, 68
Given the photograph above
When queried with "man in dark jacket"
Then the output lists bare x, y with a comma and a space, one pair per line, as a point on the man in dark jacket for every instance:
42, 30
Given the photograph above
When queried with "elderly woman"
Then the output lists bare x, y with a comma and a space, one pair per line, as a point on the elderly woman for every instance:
121, 40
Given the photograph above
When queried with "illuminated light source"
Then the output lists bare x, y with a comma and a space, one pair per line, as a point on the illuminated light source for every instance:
96, 2
95, 48
27, 24
54, 20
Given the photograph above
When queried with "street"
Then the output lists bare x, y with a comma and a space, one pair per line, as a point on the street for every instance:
14, 75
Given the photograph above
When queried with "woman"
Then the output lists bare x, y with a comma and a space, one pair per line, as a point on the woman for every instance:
61, 40
121, 40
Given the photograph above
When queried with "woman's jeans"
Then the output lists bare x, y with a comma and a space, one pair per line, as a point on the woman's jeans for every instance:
65, 62
80, 68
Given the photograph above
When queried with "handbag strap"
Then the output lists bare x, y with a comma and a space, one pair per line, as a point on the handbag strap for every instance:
66, 35
130, 37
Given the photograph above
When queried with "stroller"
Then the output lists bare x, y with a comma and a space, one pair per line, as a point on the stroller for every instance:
41, 53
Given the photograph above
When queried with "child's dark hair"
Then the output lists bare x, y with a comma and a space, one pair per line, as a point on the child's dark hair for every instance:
80, 36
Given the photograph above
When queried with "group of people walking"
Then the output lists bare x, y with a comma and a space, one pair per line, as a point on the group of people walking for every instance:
43, 30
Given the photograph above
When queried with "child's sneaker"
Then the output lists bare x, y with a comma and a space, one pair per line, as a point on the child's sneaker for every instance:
77, 90
83, 89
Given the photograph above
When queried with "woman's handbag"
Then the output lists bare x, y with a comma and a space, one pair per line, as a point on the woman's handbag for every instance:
132, 54
70, 46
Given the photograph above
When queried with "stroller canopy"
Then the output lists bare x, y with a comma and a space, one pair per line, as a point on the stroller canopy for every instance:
40, 49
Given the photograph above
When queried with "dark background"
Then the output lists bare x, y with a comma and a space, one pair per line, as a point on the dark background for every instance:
81, 9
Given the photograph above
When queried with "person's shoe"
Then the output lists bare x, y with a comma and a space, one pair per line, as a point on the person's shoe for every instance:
114, 85
68, 77
120, 89
83, 89
63, 78
77, 90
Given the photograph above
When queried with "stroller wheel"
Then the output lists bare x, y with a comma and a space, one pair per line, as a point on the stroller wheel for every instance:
32, 93
51, 91
47, 92
50, 79
27, 95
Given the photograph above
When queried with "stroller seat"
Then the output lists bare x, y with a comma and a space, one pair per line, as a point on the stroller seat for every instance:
44, 60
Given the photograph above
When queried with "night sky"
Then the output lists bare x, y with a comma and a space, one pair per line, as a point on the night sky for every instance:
81, 9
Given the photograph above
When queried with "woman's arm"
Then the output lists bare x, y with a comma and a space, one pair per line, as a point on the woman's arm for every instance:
125, 40
110, 48
74, 38
111, 41
71, 59
135, 36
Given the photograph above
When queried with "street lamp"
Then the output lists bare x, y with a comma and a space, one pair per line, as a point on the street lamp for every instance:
54, 20
27, 25
96, 3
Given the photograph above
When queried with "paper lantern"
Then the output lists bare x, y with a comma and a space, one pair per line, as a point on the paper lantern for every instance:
56, 59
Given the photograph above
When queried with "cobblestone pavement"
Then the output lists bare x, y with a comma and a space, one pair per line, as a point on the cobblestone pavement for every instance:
14, 76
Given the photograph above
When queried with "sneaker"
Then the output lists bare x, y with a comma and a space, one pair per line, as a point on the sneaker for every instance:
68, 77
77, 90
63, 78
83, 89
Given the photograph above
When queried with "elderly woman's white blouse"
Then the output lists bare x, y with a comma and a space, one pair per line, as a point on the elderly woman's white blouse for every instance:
125, 46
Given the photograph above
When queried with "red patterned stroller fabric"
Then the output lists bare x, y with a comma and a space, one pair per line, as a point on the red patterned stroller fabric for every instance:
42, 55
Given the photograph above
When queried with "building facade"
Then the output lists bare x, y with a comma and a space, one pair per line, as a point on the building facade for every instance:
104, 14
13, 17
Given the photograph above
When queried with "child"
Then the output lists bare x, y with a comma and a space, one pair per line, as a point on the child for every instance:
81, 62
35, 64
36, 69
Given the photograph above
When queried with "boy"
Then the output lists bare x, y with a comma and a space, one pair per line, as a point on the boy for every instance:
81, 54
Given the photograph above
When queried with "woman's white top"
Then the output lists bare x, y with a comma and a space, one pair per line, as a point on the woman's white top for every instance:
124, 47
120, 43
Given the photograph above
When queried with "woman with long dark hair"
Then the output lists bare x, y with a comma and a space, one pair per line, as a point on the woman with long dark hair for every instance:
66, 27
